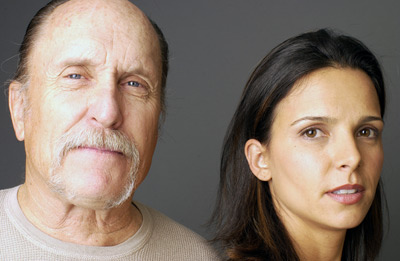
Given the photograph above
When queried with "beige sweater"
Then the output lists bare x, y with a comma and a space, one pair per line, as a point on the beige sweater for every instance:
159, 238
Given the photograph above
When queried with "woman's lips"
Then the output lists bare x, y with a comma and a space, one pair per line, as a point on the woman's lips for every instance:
347, 194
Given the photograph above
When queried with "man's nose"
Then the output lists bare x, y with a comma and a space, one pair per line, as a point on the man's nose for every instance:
105, 106
347, 156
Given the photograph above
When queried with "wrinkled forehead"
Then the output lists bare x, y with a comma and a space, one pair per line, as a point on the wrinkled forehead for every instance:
115, 24
101, 14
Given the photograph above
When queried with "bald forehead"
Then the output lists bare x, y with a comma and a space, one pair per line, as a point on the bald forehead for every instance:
108, 24
122, 11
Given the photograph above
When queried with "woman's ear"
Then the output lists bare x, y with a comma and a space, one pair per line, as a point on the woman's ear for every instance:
16, 104
256, 155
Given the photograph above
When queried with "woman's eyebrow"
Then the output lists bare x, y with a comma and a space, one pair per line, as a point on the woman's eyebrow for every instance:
315, 118
371, 118
333, 120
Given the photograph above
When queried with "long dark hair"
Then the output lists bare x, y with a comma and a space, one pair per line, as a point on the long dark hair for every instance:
247, 225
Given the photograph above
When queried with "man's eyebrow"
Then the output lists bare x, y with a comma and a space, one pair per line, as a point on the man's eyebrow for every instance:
75, 62
135, 68
315, 118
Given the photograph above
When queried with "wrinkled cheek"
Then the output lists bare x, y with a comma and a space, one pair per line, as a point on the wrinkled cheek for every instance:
146, 143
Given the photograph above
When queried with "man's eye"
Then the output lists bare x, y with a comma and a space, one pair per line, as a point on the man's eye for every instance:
134, 84
75, 76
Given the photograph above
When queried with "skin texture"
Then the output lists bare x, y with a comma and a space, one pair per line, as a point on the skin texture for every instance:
308, 157
96, 65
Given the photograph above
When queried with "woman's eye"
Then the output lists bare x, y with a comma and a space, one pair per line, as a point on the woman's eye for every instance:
75, 76
312, 133
367, 133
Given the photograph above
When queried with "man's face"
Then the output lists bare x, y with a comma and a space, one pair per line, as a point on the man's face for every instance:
95, 69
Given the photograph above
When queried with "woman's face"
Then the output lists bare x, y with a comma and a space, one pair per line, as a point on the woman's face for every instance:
325, 153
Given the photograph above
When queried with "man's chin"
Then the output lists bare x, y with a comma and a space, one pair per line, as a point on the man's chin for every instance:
92, 197
99, 203
95, 202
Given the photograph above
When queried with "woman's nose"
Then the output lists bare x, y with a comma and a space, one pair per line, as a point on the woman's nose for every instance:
347, 155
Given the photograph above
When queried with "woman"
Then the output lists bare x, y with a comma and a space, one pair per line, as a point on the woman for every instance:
301, 161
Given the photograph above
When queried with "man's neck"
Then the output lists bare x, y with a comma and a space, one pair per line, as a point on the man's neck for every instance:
71, 223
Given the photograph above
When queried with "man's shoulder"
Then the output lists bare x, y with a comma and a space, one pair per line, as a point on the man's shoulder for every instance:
175, 238
6, 193
167, 226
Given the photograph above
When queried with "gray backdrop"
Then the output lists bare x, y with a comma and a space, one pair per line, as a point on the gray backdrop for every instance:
214, 47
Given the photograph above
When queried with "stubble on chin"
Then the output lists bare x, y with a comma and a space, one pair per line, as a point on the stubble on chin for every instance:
108, 139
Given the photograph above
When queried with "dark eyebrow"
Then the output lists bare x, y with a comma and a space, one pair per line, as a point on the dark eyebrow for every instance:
371, 118
332, 120
315, 118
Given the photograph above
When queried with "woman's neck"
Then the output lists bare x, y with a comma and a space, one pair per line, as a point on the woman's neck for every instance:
315, 243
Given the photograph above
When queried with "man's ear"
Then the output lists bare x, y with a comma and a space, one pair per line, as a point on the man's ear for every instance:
16, 104
256, 155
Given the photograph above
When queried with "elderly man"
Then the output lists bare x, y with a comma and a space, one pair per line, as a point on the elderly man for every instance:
86, 100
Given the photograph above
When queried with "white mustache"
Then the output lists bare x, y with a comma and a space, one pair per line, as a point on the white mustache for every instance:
112, 140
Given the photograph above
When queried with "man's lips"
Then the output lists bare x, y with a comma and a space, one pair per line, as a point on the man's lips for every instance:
347, 194
100, 150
